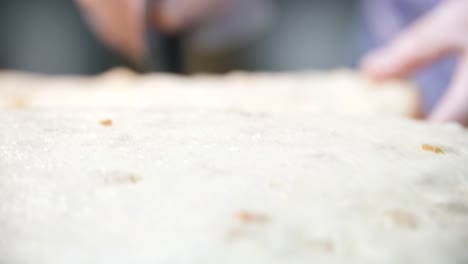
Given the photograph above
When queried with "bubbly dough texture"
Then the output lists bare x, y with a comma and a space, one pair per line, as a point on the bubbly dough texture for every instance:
341, 91
226, 187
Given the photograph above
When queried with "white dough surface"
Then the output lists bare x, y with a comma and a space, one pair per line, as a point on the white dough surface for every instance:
226, 186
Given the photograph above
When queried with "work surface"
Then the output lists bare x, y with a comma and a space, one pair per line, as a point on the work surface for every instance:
229, 187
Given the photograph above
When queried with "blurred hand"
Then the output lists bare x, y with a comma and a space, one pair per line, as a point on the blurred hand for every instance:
120, 23
443, 31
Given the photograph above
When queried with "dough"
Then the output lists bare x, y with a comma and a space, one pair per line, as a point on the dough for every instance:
341, 91
226, 187
247, 168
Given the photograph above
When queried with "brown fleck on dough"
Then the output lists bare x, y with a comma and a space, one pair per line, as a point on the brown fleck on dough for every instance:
21, 103
431, 148
404, 219
253, 218
122, 178
323, 244
106, 122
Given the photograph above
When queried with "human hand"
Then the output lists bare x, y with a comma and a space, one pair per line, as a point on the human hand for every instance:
442, 32
120, 23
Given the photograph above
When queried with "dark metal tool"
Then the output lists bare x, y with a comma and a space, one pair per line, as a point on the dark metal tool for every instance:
165, 50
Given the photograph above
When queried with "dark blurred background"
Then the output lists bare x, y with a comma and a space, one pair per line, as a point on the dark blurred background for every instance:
50, 36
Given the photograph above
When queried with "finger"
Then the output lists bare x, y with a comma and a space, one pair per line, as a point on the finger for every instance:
454, 104
419, 45
118, 24
176, 15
